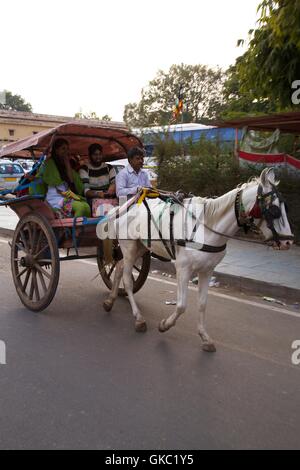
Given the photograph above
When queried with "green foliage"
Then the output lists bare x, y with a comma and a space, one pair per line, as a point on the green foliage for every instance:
106, 118
208, 169
286, 144
202, 96
238, 103
92, 116
290, 188
15, 103
203, 168
272, 62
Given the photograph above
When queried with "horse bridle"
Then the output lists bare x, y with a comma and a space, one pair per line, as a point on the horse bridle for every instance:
264, 209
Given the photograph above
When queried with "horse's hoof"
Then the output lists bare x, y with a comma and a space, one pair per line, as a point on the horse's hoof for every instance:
140, 326
162, 327
107, 305
209, 347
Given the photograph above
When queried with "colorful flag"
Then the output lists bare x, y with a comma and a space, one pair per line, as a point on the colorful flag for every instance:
178, 108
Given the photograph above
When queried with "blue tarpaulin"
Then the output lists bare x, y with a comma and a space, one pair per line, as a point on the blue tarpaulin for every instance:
214, 134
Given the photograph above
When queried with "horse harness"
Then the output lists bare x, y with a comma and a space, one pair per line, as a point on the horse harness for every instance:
264, 209
170, 245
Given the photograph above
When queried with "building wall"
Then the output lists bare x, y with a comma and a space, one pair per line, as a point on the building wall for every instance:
15, 125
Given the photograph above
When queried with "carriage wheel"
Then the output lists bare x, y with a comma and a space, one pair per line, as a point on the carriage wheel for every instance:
35, 262
140, 271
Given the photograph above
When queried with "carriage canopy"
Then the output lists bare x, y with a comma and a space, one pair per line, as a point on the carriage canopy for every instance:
115, 139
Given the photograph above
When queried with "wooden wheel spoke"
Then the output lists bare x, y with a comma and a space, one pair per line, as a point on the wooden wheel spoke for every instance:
111, 269
41, 251
44, 261
21, 248
24, 241
42, 280
31, 288
24, 287
36, 287
137, 269
30, 237
42, 271
38, 243
33, 236
21, 273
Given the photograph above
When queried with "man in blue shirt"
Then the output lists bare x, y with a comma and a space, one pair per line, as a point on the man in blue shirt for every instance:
133, 177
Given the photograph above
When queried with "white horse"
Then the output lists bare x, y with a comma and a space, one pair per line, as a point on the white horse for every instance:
257, 200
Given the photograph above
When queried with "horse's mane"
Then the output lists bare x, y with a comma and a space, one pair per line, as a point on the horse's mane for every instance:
215, 208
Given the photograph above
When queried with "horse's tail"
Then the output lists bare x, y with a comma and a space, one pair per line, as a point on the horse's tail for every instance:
108, 251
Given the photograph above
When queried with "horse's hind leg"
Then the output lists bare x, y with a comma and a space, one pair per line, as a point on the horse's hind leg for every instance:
183, 278
109, 302
208, 344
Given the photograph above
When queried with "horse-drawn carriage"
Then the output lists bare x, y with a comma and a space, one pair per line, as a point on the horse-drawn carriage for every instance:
41, 241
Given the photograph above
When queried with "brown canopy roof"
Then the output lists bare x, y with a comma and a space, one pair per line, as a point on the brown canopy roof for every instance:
115, 139
285, 122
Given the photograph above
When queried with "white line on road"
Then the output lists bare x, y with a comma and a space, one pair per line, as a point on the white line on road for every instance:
214, 294
221, 296
235, 299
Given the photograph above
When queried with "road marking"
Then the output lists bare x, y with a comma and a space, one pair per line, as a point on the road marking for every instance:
219, 295
214, 294
235, 299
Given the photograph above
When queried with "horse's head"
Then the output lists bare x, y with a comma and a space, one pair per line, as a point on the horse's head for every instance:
270, 212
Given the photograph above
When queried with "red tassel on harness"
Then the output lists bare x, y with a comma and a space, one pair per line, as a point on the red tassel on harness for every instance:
256, 212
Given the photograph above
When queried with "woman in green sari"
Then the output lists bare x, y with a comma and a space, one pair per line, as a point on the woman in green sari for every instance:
64, 186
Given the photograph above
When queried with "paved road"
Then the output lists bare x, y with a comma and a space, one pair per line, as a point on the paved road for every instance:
77, 377
247, 266
8, 219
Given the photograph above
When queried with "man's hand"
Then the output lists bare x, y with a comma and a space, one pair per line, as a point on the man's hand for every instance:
111, 191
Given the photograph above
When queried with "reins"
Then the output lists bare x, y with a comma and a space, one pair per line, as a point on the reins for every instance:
248, 223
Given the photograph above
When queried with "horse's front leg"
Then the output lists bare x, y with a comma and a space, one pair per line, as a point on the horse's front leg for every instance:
183, 278
208, 344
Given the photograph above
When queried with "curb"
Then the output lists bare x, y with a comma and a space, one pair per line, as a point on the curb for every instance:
241, 284
252, 286
6, 232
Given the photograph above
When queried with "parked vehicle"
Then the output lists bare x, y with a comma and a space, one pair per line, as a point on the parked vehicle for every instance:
10, 173
118, 167
27, 165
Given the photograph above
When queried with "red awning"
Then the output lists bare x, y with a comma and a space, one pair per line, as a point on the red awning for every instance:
285, 122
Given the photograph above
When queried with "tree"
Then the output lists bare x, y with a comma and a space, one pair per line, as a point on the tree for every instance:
92, 116
14, 103
237, 103
272, 62
202, 96
106, 117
